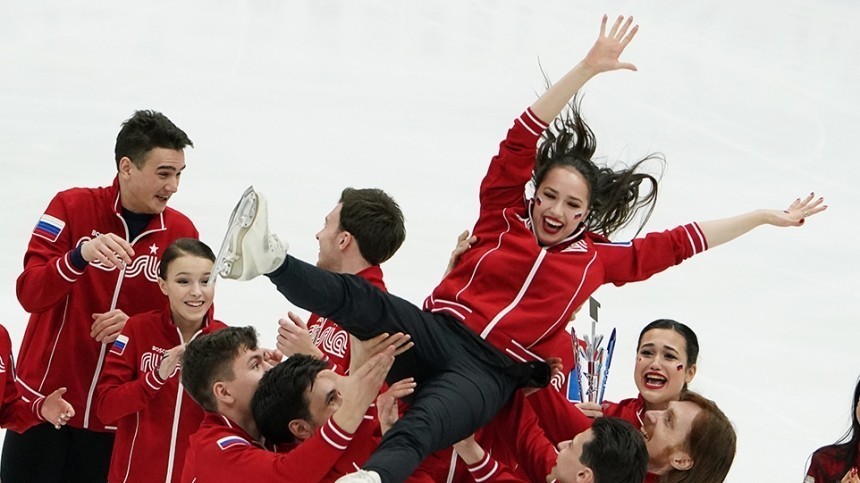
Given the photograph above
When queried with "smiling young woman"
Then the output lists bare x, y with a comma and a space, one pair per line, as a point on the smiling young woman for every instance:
140, 387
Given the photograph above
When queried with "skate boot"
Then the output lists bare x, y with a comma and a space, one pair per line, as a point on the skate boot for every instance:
248, 249
360, 476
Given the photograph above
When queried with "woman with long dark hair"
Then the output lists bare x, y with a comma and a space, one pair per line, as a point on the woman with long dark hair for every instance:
839, 462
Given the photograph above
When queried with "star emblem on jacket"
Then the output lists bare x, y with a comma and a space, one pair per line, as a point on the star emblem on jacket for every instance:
153, 249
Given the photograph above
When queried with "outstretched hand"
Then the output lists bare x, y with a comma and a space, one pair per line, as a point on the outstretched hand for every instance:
604, 54
799, 211
294, 337
386, 403
363, 350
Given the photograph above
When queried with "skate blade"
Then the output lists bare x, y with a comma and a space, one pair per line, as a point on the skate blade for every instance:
241, 218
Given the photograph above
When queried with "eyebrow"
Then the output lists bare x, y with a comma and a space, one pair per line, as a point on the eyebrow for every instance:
651, 345
255, 358
187, 274
555, 192
169, 168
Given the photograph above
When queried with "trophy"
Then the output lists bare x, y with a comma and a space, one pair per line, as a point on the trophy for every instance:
587, 381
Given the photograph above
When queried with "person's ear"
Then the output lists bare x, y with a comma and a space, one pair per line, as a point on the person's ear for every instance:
691, 373
162, 284
345, 238
301, 429
681, 461
585, 475
222, 393
125, 167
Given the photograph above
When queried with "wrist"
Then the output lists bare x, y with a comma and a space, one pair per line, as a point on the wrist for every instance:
471, 454
348, 417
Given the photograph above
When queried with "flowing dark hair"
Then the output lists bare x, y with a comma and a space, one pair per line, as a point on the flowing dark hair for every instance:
847, 446
614, 195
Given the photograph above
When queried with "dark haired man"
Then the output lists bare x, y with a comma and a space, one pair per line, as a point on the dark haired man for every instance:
91, 263
222, 371
299, 397
364, 229
611, 451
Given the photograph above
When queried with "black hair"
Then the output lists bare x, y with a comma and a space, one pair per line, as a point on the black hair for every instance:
209, 359
181, 247
847, 447
144, 131
375, 220
616, 453
613, 195
282, 396
686, 332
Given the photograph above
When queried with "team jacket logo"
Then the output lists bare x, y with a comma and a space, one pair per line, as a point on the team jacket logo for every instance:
119, 344
49, 227
142, 264
557, 381
333, 341
150, 361
2, 365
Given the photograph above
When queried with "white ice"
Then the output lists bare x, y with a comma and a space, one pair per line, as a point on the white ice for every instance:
753, 103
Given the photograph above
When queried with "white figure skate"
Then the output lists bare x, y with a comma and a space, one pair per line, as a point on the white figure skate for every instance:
248, 249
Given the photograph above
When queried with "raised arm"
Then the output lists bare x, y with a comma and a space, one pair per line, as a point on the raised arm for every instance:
717, 232
603, 57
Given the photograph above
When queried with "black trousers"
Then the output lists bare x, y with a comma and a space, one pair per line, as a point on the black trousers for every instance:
43, 454
462, 381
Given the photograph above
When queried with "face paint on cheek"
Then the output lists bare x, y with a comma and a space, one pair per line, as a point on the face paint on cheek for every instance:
680, 367
538, 201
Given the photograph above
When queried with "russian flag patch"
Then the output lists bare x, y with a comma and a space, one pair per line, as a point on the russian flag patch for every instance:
119, 344
230, 441
49, 227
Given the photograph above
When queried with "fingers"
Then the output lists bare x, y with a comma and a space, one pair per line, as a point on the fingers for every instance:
624, 28
57, 410
297, 320
378, 364
615, 26
108, 249
107, 328
403, 348
626, 40
402, 388
603, 25
462, 237
273, 356
806, 207
398, 340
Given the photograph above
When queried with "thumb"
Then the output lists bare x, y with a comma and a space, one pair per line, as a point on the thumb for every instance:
627, 66
59, 392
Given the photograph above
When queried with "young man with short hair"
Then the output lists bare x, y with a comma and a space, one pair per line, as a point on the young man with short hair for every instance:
364, 229
91, 263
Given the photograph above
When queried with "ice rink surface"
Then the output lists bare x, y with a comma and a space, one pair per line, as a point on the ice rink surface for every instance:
752, 103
